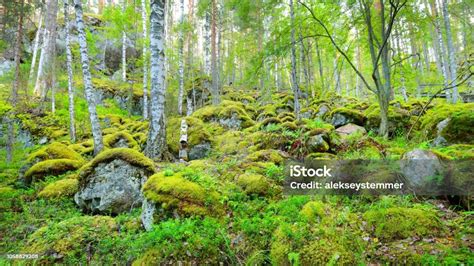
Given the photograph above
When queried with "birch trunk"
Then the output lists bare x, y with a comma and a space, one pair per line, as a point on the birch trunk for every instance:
294, 81
451, 51
124, 49
88, 88
156, 140
145, 61
70, 89
181, 60
320, 66
207, 44
35, 48
214, 70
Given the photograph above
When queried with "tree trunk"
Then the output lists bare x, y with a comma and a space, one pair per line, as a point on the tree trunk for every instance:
46, 65
35, 48
124, 48
320, 66
156, 140
294, 82
70, 89
88, 88
181, 60
145, 61
16, 85
214, 70
451, 52
207, 43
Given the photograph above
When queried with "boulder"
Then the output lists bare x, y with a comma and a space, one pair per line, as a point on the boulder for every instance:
419, 166
317, 143
350, 129
343, 116
112, 181
199, 151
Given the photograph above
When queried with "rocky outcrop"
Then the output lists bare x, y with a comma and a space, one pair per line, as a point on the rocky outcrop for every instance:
420, 167
350, 129
112, 182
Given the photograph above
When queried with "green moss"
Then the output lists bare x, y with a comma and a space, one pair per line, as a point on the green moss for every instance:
457, 151
326, 252
460, 128
399, 120
176, 193
61, 188
4, 107
231, 109
230, 142
254, 184
207, 113
197, 133
269, 120
290, 125
51, 167
314, 211
110, 130
273, 156
400, 223
285, 115
140, 138
320, 156
129, 155
112, 139
55, 150
65, 241
354, 116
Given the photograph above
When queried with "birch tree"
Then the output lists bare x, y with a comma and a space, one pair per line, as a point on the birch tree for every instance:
145, 61
181, 59
451, 52
70, 89
35, 48
124, 47
294, 82
88, 87
156, 140
214, 67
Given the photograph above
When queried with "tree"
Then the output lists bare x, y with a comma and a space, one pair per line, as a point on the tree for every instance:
294, 82
214, 66
145, 61
181, 59
70, 89
16, 84
124, 47
156, 140
88, 87
35, 48
451, 52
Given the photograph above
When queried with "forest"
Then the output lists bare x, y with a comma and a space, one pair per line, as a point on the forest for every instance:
153, 132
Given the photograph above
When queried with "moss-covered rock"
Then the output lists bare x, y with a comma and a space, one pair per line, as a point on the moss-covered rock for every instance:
399, 222
69, 241
61, 188
342, 116
129, 155
55, 150
121, 139
315, 211
173, 192
51, 167
326, 252
254, 184
234, 116
197, 133
399, 120
270, 155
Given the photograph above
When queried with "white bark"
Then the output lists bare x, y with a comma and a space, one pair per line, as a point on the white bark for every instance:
35, 48
207, 44
451, 51
88, 88
70, 89
181, 60
124, 49
183, 141
294, 81
156, 140
145, 61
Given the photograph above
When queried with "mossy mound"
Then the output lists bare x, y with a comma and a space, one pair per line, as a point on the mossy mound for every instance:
230, 142
326, 252
270, 120
176, 193
61, 188
70, 240
456, 151
129, 155
399, 120
83, 148
51, 167
207, 113
254, 184
270, 155
341, 116
231, 110
55, 150
460, 127
121, 139
197, 133
315, 211
400, 223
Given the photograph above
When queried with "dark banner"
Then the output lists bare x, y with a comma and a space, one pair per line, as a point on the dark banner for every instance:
380, 177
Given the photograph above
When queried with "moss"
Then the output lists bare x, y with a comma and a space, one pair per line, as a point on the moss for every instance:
140, 138
230, 142
315, 211
55, 150
399, 120
197, 133
61, 188
280, 247
400, 223
266, 111
254, 184
456, 151
353, 116
150, 257
4, 108
176, 193
207, 113
229, 110
285, 115
326, 252
129, 155
269, 120
321, 156
51, 167
318, 131
112, 139
290, 125
65, 241
110, 130
273, 156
